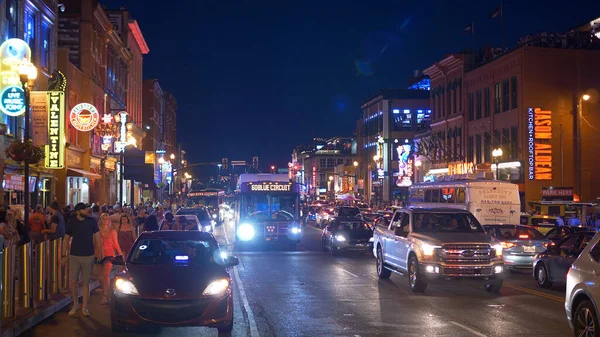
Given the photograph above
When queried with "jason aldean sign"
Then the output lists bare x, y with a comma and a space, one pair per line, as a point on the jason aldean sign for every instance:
270, 188
84, 117
55, 150
539, 132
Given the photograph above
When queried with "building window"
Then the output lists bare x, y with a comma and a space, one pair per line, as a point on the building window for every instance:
402, 120
29, 32
514, 149
340, 161
11, 18
470, 149
478, 149
46, 43
478, 110
460, 96
330, 162
513, 92
487, 148
505, 93
449, 101
486, 102
322, 163
506, 141
471, 107
497, 98
454, 99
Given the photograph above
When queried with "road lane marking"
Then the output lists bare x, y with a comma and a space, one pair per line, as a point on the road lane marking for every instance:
476, 333
534, 292
347, 272
249, 313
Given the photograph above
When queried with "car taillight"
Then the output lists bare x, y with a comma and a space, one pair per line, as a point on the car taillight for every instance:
523, 236
507, 245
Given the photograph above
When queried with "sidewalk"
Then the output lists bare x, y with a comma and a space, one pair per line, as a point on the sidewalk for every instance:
25, 322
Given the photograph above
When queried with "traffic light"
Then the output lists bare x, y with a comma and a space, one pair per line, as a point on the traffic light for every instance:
272, 168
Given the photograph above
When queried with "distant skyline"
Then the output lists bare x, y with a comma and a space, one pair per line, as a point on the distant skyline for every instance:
258, 78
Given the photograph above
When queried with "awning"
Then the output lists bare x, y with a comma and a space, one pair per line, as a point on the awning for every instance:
82, 173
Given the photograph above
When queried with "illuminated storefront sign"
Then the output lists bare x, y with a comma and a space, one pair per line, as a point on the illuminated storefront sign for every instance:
271, 188
539, 135
122, 119
55, 150
84, 117
460, 168
405, 166
13, 52
12, 101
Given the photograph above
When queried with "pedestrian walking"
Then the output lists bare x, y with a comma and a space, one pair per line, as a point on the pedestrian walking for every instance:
81, 254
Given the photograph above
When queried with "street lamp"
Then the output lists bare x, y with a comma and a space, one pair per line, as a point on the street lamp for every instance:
161, 160
585, 97
418, 165
497, 153
172, 156
355, 176
27, 74
578, 130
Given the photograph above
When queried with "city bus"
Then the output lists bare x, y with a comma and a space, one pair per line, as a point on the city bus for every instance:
490, 201
268, 209
212, 198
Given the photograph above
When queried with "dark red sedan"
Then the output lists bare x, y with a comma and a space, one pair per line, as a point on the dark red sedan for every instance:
174, 278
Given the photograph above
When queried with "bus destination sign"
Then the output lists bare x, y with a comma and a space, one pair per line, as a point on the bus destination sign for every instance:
271, 187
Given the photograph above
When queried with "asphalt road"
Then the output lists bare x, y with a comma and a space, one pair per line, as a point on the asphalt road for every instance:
305, 292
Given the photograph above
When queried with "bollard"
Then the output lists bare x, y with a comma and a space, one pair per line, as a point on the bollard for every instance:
54, 270
8, 281
41, 270
25, 294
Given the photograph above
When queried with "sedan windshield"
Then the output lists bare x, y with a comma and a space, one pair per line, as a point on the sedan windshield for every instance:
173, 252
445, 222
350, 226
509, 232
201, 214
348, 212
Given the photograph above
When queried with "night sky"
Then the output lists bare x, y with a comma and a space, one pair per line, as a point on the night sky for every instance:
259, 77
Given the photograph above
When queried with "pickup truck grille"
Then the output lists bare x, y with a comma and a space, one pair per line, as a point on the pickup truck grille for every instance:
467, 271
466, 254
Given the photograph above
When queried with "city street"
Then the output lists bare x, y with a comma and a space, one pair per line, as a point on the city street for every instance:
310, 293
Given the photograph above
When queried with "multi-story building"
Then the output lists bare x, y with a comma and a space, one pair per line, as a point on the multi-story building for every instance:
98, 57
442, 144
170, 123
153, 113
391, 119
530, 103
35, 22
314, 166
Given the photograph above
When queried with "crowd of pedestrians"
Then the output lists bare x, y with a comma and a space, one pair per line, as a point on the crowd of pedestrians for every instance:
93, 235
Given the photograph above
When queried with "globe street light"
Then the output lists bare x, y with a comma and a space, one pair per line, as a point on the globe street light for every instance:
497, 153
27, 75
418, 165
172, 156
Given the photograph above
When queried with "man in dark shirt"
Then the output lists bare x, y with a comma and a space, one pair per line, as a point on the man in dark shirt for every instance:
84, 248
57, 223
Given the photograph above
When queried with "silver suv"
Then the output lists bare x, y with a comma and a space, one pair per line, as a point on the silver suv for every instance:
438, 245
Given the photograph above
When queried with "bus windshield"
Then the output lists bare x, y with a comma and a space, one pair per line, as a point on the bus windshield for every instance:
270, 206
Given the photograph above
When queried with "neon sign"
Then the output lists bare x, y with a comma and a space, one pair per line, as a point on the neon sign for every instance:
539, 131
405, 166
84, 117
55, 150
13, 52
271, 188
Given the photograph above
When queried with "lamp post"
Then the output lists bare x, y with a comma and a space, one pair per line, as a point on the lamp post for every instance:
578, 149
418, 165
497, 153
27, 74
330, 187
355, 163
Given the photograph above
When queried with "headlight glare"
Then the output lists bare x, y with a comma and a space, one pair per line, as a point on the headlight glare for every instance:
340, 238
428, 249
245, 232
216, 287
498, 249
125, 287
295, 230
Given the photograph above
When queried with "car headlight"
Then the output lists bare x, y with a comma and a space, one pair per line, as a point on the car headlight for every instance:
295, 230
125, 287
214, 216
371, 239
340, 238
207, 228
427, 249
498, 249
246, 232
216, 287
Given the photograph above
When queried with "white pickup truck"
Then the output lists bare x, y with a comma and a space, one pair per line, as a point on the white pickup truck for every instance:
437, 245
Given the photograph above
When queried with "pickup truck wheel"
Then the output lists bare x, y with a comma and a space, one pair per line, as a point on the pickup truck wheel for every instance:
381, 271
415, 280
494, 287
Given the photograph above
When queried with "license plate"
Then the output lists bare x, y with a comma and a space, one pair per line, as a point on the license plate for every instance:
529, 249
268, 239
